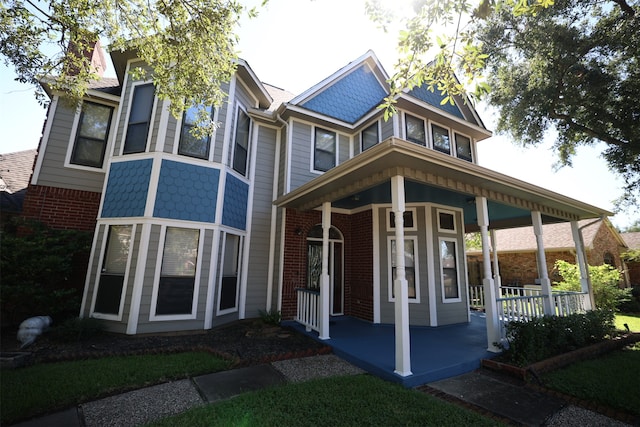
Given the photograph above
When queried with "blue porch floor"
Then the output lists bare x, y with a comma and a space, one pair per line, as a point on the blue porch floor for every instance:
436, 353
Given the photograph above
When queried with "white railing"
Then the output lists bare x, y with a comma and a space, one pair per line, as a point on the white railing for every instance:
308, 310
566, 303
476, 296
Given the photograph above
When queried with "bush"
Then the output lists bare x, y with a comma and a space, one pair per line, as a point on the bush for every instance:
38, 266
605, 281
271, 317
77, 330
548, 336
633, 304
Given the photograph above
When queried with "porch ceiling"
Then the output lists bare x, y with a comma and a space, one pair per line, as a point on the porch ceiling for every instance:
431, 176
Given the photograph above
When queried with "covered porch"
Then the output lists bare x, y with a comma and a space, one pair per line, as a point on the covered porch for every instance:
436, 353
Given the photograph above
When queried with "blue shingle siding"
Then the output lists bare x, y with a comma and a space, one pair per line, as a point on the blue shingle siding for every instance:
434, 98
127, 188
187, 192
236, 195
349, 98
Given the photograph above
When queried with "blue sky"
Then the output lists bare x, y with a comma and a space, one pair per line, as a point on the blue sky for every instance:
294, 44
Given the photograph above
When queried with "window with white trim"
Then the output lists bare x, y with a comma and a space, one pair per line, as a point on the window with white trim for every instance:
463, 147
139, 119
228, 294
440, 138
92, 135
410, 257
446, 221
409, 217
415, 130
190, 144
369, 137
114, 265
449, 270
176, 288
241, 143
325, 148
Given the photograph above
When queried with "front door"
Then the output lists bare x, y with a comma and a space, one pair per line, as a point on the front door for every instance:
314, 266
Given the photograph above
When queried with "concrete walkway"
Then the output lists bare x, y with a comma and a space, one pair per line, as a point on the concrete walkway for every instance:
507, 400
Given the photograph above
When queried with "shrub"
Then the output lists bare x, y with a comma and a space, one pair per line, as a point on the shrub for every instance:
77, 330
38, 265
633, 304
604, 281
548, 336
271, 317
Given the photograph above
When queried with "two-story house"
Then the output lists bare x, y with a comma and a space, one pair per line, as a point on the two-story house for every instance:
296, 204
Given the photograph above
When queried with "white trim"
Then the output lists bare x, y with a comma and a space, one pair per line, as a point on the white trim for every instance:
161, 139
239, 107
414, 215
273, 224
448, 212
312, 165
138, 281
223, 248
361, 133
152, 189
425, 128
430, 125
455, 240
125, 128
44, 140
281, 261
375, 217
431, 267
211, 284
471, 146
157, 274
87, 280
249, 92
226, 141
416, 268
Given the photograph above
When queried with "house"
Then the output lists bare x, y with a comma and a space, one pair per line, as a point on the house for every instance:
15, 171
632, 239
517, 248
295, 204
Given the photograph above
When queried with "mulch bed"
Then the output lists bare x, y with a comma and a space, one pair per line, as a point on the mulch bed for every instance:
245, 342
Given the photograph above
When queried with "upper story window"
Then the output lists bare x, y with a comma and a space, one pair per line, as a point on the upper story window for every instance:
241, 144
92, 135
191, 145
463, 147
440, 137
139, 119
415, 130
369, 137
324, 157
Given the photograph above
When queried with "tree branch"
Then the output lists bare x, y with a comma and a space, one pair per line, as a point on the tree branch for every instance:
626, 8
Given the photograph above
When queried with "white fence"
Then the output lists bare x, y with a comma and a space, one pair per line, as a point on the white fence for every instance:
308, 310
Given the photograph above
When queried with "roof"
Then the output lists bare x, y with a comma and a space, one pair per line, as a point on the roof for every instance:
631, 239
15, 172
555, 236
280, 96
106, 85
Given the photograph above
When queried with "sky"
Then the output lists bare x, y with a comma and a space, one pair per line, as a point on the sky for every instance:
294, 44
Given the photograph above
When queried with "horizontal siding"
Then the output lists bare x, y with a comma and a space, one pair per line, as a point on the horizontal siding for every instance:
301, 154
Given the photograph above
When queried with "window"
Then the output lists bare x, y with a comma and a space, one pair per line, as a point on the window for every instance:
139, 119
369, 136
114, 265
325, 150
409, 267
408, 216
449, 270
446, 221
608, 258
440, 137
178, 272
463, 147
92, 135
415, 130
241, 145
191, 145
228, 299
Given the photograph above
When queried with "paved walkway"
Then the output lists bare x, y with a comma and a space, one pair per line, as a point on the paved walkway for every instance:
507, 400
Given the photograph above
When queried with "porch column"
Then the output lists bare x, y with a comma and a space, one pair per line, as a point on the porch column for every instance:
400, 286
325, 283
490, 304
583, 266
543, 274
496, 266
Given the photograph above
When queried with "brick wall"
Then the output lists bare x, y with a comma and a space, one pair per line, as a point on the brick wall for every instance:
361, 266
62, 208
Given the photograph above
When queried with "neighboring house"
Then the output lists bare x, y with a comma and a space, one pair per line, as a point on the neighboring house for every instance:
633, 243
295, 204
15, 171
517, 251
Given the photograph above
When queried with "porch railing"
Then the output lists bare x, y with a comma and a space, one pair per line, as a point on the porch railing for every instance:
308, 309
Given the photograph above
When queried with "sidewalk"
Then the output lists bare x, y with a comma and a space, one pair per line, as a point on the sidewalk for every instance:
506, 400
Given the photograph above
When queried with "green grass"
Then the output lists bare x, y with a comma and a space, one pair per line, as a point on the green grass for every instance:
611, 380
360, 400
46, 387
631, 319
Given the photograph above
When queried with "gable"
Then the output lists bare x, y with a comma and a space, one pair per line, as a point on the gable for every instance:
435, 99
350, 97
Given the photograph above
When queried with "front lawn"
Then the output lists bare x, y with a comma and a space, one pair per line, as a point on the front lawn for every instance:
47, 387
631, 319
360, 400
610, 380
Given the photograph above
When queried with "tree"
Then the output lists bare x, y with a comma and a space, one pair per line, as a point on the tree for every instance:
189, 44
569, 66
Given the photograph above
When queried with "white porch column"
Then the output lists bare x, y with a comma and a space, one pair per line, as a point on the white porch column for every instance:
543, 275
496, 267
490, 303
581, 260
400, 287
325, 282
